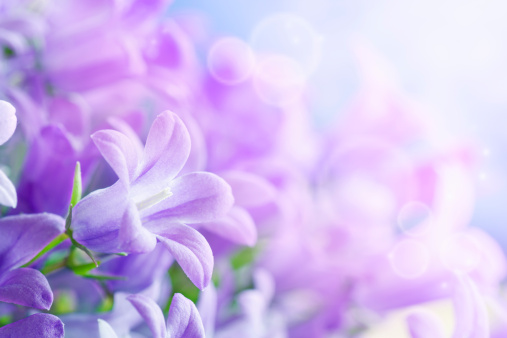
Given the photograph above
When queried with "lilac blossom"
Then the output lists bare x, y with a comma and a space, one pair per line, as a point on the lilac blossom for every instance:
150, 203
183, 320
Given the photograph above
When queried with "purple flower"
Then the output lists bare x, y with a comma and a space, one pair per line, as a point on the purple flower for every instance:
183, 319
39, 325
8, 122
150, 203
24, 236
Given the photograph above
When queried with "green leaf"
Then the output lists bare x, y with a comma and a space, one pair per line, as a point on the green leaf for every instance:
104, 277
107, 304
244, 257
8, 52
64, 302
77, 188
83, 269
181, 284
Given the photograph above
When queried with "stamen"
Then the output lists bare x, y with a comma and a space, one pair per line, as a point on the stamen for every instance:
152, 200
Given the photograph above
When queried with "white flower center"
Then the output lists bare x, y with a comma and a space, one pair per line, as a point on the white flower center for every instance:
154, 199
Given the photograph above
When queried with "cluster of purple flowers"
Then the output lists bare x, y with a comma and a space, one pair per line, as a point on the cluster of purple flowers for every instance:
144, 195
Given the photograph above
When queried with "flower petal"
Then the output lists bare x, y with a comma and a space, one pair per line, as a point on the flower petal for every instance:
24, 236
196, 197
119, 151
27, 287
189, 248
151, 313
422, 324
249, 190
470, 310
96, 218
207, 306
105, 330
166, 151
39, 325
8, 196
133, 237
238, 227
8, 121
184, 319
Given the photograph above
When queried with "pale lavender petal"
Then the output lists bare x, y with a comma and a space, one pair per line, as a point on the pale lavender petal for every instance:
133, 237
188, 247
27, 287
23, 236
184, 320
119, 151
8, 121
207, 306
39, 325
196, 197
423, 324
8, 196
237, 226
124, 128
249, 190
96, 218
470, 310
105, 330
151, 313
166, 151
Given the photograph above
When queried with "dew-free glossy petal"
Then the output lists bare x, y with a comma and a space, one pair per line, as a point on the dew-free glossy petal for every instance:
27, 287
105, 330
119, 151
8, 196
188, 247
249, 190
237, 226
166, 151
39, 325
23, 236
96, 218
184, 320
196, 197
133, 237
151, 314
8, 121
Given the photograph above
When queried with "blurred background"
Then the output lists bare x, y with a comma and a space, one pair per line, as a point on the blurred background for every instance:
449, 56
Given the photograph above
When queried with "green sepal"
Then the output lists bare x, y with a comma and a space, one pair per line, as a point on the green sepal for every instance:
77, 187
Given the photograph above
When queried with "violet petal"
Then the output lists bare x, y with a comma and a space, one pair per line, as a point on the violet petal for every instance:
196, 197
119, 151
189, 248
24, 236
39, 325
8, 121
151, 313
27, 287
8, 196
184, 319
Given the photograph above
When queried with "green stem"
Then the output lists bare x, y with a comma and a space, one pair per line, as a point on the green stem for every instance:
58, 240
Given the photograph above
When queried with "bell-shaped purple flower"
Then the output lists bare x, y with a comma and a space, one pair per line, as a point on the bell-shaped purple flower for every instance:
183, 320
150, 203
